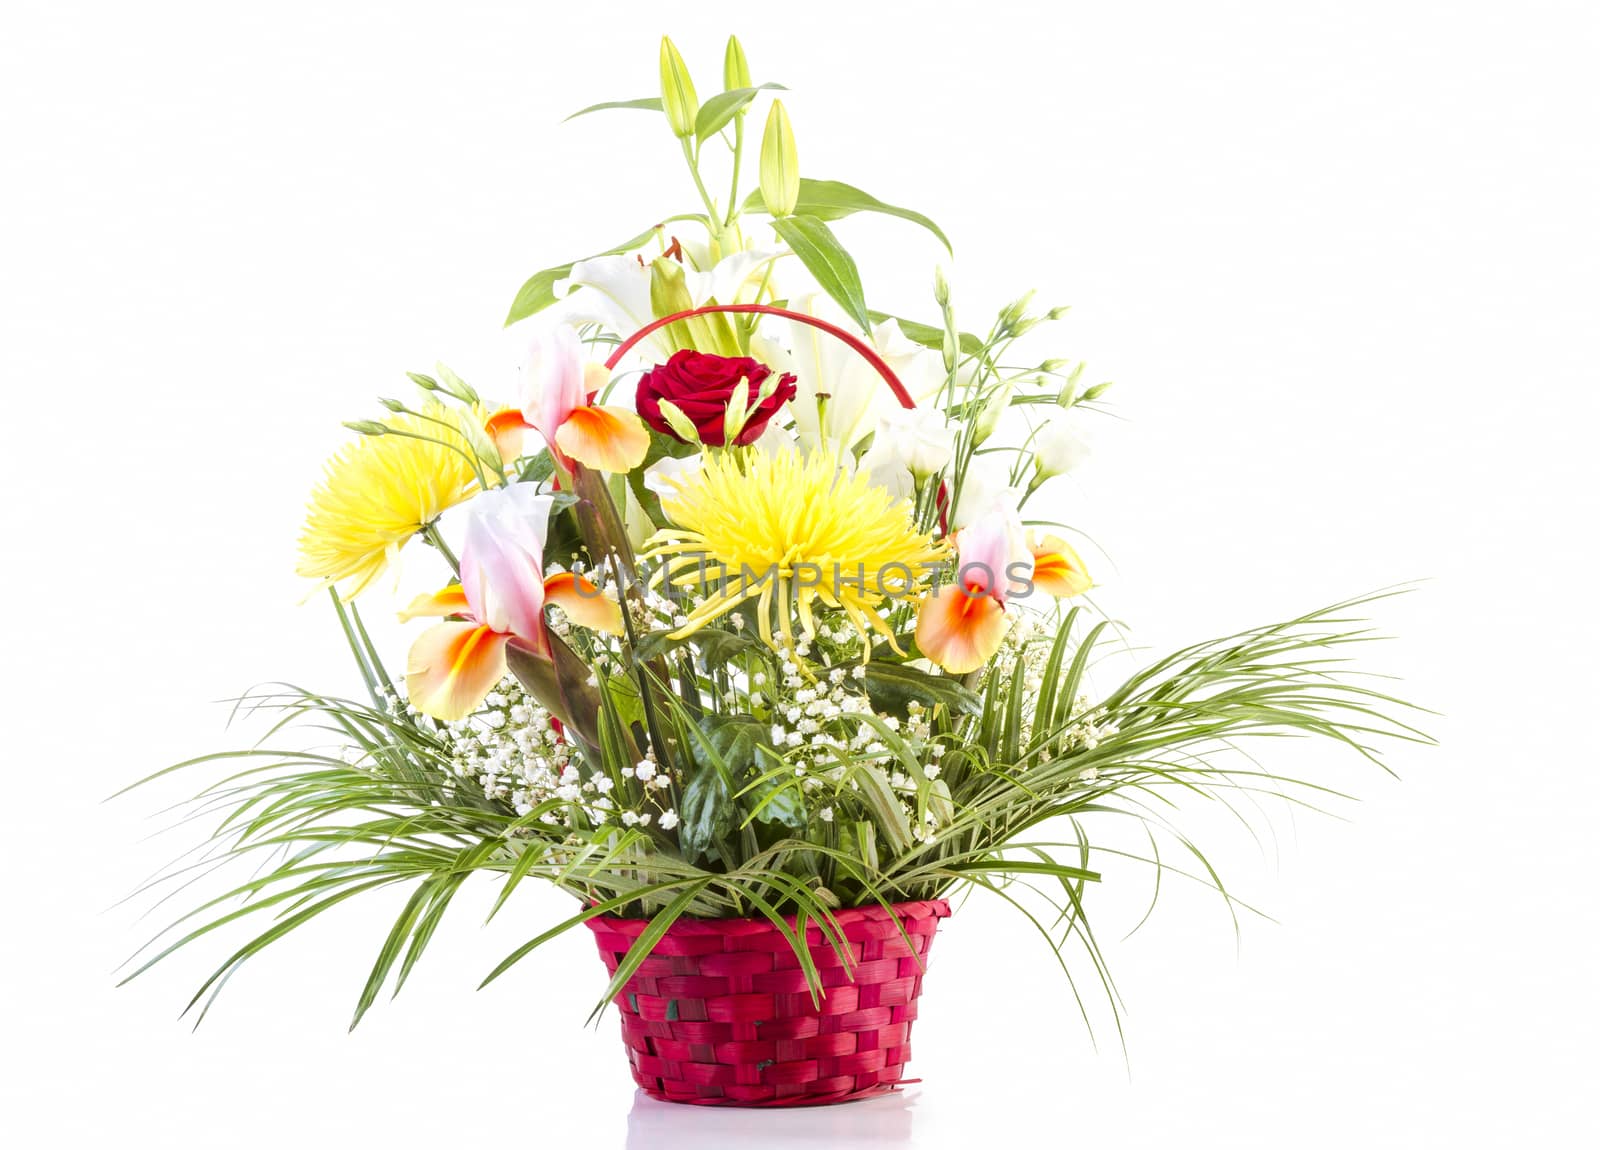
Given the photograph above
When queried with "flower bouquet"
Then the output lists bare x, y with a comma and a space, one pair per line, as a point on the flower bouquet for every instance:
746, 632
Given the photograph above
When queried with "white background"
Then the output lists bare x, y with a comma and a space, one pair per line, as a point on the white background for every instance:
1340, 260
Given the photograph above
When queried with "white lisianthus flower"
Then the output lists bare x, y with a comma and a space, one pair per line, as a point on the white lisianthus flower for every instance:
1058, 448
920, 440
985, 490
662, 476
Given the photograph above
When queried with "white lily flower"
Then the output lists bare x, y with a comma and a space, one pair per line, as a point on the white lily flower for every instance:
614, 291
821, 364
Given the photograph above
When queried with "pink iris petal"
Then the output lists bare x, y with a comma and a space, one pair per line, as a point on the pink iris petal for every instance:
988, 549
554, 387
502, 559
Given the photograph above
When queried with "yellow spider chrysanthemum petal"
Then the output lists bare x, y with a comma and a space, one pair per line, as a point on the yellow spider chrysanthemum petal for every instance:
380, 490
790, 532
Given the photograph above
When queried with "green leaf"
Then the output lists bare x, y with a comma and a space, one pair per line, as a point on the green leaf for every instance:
884, 806
928, 335
538, 468
891, 686
825, 258
715, 646
706, 812
539, 292
559, 681
719, 109
775, 800
833, 200
644, 104
733, 742
645, 943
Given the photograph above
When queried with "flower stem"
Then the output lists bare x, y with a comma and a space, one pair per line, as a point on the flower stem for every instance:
705, 196
430, 532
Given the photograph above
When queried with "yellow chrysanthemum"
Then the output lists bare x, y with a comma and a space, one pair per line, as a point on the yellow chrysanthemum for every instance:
790, 531
379, 491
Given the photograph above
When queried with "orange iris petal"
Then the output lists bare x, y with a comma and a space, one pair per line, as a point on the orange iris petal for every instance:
452, 667
437, 604
505, 427
583, 602
960, 632
606, 438
1057, 570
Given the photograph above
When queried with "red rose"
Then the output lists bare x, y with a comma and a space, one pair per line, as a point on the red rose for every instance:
701, 385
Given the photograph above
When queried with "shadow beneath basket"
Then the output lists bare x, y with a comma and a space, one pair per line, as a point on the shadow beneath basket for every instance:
883, 1121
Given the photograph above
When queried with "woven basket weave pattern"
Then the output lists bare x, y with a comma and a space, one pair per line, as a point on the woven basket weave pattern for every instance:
719, 1014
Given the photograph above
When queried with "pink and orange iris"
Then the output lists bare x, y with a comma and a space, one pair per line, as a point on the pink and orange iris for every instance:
561, 385
961, 626
501, 598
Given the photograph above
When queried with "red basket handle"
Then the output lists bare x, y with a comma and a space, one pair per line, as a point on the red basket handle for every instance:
855, 343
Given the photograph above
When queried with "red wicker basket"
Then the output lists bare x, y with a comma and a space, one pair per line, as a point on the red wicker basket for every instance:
719, 1014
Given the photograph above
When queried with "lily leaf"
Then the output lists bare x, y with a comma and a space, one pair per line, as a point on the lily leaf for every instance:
825, 258
834, 200
644, 104
719, 109
539, 292
928, 335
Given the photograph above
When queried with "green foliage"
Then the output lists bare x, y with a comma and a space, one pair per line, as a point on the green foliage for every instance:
311, 830
825, 258
834, 200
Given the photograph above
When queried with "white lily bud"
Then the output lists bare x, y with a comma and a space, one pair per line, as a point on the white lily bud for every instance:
735, 68
678, 98
735, 414
679, 422
780, 165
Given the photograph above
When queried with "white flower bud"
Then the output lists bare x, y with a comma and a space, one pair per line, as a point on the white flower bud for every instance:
1058, 449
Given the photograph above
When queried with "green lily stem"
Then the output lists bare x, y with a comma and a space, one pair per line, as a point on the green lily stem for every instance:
705, 196
738, 154
430, 532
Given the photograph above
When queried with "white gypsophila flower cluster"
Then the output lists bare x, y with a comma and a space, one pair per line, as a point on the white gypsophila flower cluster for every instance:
817, 726
514, 752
